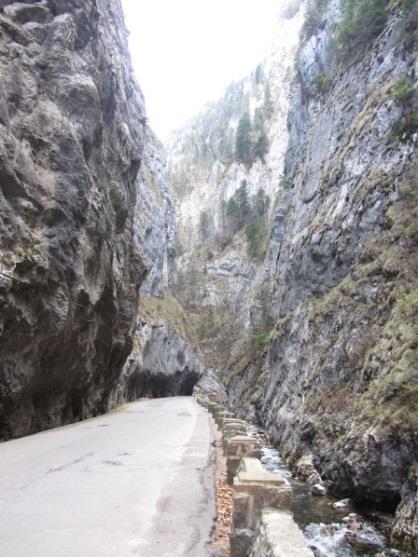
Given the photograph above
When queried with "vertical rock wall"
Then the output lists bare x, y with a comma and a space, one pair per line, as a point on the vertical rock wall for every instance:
71, 143
338, 377
335, 370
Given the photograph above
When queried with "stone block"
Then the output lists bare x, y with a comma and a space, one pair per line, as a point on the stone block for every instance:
232, 465
221, 416
254, 490
279, 536
241, 542
242, 445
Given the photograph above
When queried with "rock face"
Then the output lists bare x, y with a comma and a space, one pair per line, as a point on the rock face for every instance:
219, 272
79, 224
71, 143
165, 359
335, 372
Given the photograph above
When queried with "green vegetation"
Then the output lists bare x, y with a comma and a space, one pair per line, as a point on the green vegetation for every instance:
260, 340
322, 83
250, 215
362, 21
313, 22
256, 233
238, 208
251, 141
243, 141
314, 18
204, 225
404, 92
409, 192
395, 392
261, 146
168, 310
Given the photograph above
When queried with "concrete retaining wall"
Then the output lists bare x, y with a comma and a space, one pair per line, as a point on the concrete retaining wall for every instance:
263, 525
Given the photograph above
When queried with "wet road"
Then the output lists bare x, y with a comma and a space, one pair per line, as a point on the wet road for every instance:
135, 482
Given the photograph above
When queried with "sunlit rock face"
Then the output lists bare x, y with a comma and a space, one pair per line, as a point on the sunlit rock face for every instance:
332, 370
155, 220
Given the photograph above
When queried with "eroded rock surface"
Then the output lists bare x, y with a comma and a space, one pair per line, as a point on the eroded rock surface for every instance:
324, 326
71, 143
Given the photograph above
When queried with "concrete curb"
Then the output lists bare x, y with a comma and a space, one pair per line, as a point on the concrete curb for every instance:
262, 524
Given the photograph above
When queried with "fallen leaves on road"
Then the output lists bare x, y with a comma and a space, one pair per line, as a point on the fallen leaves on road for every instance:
224, 520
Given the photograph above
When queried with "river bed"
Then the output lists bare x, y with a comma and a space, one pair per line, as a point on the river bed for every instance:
330, 532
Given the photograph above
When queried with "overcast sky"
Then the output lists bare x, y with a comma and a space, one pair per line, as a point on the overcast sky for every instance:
185, 52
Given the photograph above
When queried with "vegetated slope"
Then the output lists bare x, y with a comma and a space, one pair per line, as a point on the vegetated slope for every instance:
324, 351
225, 166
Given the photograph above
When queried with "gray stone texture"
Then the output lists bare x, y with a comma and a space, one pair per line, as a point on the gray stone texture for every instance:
71, 143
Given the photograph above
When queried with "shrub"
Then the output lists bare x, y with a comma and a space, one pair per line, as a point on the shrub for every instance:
406, 127
322, 83
259, 340
362, 21
403, 89
411, 230
261, 147
313, 20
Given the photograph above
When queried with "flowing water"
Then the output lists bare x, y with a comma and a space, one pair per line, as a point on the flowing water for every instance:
330, 532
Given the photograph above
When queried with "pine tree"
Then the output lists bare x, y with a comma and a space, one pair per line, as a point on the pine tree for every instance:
268, 103
243, 140
258, 76
261, 146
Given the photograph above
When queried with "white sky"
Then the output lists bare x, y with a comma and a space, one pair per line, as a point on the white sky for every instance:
185, 52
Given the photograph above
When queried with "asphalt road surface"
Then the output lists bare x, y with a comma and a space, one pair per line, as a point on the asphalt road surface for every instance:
136, 482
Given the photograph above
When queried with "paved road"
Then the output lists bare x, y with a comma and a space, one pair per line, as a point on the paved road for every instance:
136, 482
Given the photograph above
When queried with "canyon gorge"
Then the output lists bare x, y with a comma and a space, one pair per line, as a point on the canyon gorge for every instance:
267, 254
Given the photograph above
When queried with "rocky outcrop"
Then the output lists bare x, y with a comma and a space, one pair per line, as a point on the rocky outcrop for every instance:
329, 365
165, 360
225, 199
155, 219
405, 531
71, 142
86, 220
338, 377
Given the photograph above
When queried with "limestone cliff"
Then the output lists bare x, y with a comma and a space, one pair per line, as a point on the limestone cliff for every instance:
77, 219
226, 195
165, 358
325, 352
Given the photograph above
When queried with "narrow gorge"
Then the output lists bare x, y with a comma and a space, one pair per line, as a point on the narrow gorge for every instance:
266, 255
